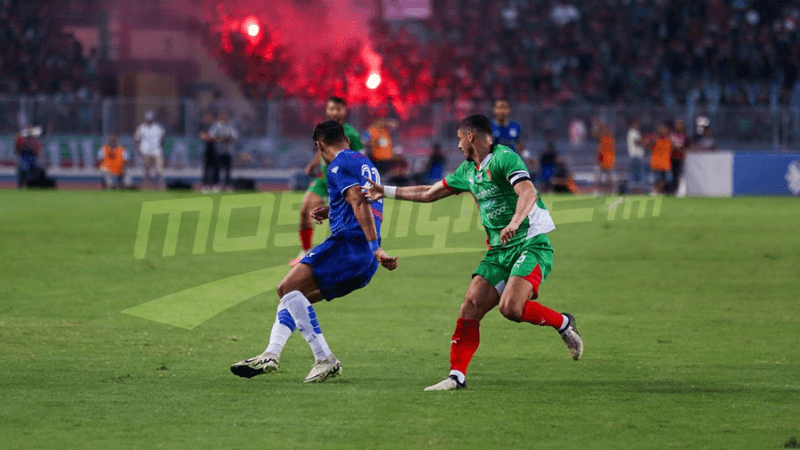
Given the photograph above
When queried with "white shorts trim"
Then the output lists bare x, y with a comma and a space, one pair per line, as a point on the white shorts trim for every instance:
500, 287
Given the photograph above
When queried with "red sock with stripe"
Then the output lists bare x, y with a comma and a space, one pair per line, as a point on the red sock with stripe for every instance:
465, 343
306, 237
538, 314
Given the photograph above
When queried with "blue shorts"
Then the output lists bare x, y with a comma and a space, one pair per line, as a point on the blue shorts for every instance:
341, 264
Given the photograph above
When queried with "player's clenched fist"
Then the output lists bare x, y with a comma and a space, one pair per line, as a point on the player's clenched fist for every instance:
389, 262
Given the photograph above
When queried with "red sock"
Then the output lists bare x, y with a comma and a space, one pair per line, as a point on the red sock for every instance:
538, 314
306, 236
465, 342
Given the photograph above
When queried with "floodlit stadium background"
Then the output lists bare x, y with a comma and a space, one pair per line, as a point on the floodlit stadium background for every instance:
84, 69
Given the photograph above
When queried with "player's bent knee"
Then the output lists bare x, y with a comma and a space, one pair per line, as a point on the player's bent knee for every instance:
284, 288
471, 309
510, 311
307, 206
310, 203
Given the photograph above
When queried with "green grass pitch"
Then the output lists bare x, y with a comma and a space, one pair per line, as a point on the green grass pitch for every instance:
690, 319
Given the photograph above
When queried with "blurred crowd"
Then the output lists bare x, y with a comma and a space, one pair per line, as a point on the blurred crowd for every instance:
734, 52
553, 52
37, 57
39, 60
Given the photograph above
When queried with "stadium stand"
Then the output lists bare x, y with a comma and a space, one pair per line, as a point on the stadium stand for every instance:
49, 66
564, 65
734, 52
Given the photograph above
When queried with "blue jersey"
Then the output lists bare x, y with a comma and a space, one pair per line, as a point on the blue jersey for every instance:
506, 135
350, 168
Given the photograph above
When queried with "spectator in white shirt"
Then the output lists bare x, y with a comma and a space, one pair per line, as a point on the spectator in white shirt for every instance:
149, 139
225, 136
636, 155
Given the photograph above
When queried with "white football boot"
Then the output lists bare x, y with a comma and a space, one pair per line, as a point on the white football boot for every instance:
322, 370
448, 384
263, 363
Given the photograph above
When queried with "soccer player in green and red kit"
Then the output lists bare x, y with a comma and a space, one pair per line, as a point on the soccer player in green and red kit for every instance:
520, 255
317, 193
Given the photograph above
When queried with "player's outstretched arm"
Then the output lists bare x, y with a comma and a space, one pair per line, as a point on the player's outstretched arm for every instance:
526, 200
422, 194
363, 212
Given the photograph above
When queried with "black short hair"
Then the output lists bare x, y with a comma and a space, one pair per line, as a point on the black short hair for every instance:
502, 99
476, 122
329, 132
337, 100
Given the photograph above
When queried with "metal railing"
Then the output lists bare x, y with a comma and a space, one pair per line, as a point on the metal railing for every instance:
277, 133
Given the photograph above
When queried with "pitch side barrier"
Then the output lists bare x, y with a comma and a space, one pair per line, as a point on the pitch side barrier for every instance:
726, 174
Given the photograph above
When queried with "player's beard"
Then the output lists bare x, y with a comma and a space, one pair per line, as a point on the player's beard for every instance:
470, 155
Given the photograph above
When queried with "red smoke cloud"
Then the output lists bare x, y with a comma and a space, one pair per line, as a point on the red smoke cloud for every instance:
305, 48
310, 28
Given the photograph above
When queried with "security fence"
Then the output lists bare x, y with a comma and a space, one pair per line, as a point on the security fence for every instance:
277, 133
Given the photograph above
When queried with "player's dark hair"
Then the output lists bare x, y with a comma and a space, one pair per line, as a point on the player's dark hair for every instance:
476, 122
329, 132
502, 99
337, 100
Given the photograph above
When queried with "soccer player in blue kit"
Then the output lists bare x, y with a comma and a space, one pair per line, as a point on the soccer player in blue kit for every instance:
505, 131
346, 261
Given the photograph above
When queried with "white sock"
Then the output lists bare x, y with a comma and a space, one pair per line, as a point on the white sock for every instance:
460, 376
281, 330
564, 323
306, 319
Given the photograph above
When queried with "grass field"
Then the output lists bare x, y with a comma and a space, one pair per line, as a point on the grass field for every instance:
689, 318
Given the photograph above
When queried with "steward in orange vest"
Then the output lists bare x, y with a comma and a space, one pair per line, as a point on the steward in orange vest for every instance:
113, 158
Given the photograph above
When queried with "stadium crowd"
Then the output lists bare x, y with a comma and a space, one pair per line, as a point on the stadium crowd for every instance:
38, 59
552, 52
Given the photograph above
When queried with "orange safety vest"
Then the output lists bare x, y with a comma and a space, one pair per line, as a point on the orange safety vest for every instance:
607, 152
113, 160
381, 141
660, 157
